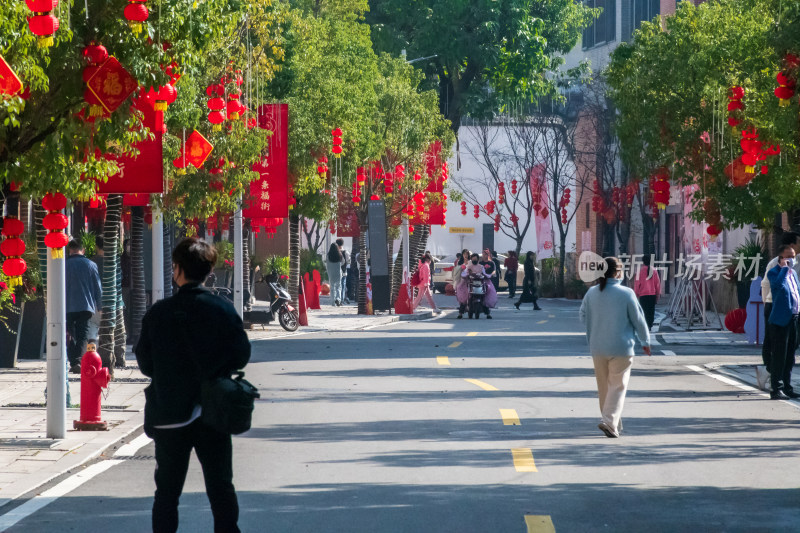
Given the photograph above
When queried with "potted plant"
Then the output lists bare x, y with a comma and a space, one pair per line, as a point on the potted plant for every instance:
749, 262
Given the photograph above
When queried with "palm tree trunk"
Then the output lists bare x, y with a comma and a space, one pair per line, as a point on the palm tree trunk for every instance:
246, 263
294, 257
168, 241
109, 320
138, 293
38, 216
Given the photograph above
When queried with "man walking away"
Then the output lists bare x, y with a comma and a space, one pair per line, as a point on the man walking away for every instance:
784, 284
512, 265
345, 269
84, 296
187, 339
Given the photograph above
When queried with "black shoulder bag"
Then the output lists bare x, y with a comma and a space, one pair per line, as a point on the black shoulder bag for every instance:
227, 402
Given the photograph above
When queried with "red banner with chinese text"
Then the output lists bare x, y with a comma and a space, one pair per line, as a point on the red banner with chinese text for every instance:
269, 195
143, 174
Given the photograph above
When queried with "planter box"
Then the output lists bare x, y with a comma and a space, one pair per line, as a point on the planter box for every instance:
32, 330
8, 340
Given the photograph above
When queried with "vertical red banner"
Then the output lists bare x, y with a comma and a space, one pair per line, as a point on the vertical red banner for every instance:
269, 195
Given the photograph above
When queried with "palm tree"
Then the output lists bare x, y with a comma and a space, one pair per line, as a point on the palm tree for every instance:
294, 256
108, 324
138, 293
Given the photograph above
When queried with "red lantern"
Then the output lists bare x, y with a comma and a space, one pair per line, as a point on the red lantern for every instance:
42, 23
337, 142
13, 248
713, 230
785, 89
476, 211
56, 222
735, 106
136, 13
464, 208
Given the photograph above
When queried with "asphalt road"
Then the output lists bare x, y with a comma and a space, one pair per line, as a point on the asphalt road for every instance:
381, 431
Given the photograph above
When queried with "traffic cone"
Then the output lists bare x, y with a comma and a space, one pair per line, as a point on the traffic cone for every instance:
302, 317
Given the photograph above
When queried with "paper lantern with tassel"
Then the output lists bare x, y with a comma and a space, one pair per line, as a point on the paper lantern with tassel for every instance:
42, 23
136, 13
13, 248
55, 221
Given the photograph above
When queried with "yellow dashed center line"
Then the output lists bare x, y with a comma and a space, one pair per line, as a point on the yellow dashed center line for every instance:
472, 334
443, 360
481, 384
523, 460
510, 417
542, 321
539, 524
455, 344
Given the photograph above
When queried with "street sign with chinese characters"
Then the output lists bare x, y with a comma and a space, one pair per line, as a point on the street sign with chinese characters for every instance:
269, 195
462, 231
112, 84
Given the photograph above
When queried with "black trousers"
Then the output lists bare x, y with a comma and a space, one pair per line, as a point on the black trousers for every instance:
784, 344
512, 284
214, 450
766, 348
648, 304
78, 329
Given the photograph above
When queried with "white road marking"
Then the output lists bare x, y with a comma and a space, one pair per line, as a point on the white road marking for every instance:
737, 384
133, 446
49, 496
667, 352
653, 341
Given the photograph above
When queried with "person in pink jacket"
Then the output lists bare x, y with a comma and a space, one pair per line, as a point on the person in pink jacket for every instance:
648, 288
424, 285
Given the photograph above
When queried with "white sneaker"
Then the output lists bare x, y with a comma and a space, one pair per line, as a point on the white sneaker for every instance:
763, 378
605, 428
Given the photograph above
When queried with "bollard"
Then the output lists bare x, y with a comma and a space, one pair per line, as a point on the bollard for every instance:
93, 378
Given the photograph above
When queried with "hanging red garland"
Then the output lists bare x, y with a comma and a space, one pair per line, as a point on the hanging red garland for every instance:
337, 142
56, 222
13, 248
464, 208
42, 23
136, 13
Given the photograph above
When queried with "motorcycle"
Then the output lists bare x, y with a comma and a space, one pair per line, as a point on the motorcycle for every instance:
278, 305
477, 293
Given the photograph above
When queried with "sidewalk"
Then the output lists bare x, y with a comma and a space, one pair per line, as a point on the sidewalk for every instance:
667, 332
27, 457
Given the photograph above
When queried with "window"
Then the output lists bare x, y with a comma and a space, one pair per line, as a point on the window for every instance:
604, 28
644, 10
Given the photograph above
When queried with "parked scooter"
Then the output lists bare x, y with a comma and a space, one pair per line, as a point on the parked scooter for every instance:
278, 306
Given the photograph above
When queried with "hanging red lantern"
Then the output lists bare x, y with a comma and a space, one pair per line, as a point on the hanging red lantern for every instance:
735, 106
337, 142
417, 176
513, 186
56, 222
42, 23
374, 197
476, 211
463, 208
388, 184
13, 248
713, 231
785, 89
660, 187
136, 13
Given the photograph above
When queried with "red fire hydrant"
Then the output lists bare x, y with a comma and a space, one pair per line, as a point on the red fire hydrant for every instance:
93, 378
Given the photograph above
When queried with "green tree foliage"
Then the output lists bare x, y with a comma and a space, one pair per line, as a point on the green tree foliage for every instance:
480, 53
671, 89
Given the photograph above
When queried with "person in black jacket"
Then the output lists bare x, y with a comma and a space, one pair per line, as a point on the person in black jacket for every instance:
186, 339
530, 283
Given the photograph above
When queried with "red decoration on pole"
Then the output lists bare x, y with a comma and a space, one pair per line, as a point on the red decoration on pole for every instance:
271, 194
56, 222
195, 151
785, 89
660, 187
13, 248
